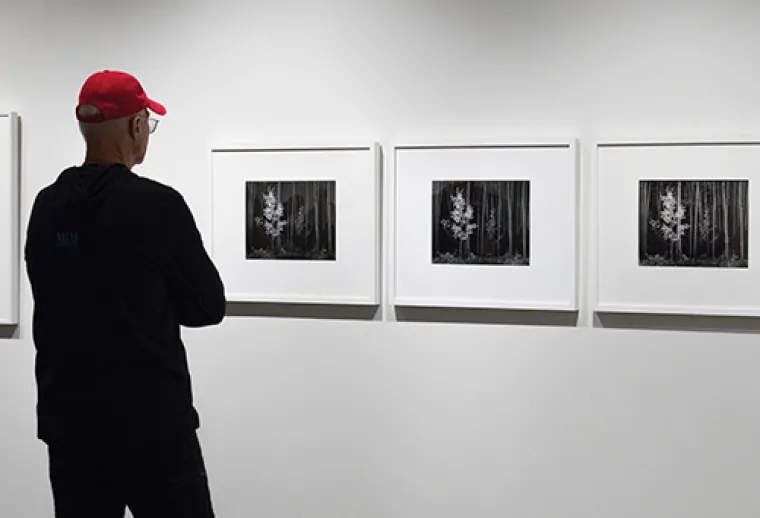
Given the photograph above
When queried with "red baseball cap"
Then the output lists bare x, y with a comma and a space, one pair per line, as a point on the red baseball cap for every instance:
116, 95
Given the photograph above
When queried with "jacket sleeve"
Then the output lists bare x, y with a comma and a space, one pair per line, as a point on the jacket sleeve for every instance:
195, 284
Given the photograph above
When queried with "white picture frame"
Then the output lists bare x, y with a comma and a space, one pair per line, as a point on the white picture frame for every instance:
547, 170
349, 271
643, 266
9, 218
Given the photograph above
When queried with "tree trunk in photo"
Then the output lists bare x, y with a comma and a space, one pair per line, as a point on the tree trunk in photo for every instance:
643, 217
510, 219
654, 213
708, 225
524, 216
278, 243
329, 205
309, 218
645, 208
437, 197
468, 200
733, 216
314, 218
736, 223
315, 199
740, 203
656, 193
696, 218
499, 230
478, 246
690, 190
736, 218
249, 223
272, 246
651, 209
704, 208
726, 251
484, 220
714, 208
679, 224
652, 204
291, 228
671, 245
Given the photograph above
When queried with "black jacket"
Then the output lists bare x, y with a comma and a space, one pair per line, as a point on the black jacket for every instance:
116, 265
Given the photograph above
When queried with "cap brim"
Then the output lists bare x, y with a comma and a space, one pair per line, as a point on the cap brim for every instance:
156, 107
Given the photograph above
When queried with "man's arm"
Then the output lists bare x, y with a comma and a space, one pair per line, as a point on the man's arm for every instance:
196, 286
31, 270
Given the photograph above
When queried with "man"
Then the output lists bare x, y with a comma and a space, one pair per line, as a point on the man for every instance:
117, 265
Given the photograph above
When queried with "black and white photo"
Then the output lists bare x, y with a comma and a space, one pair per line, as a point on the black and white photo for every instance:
694, 223
291, 220
481, 222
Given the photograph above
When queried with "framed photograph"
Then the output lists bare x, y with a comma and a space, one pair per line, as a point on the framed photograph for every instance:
298, 224
676, 228
9, 219
487, 226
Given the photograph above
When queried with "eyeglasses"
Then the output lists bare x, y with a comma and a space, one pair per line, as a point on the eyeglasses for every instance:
152, 125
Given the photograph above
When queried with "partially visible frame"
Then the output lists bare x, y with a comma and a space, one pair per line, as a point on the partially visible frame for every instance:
488, 270
676, 230
298, 224
9, 218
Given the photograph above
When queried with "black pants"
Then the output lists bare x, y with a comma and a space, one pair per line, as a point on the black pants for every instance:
162, 479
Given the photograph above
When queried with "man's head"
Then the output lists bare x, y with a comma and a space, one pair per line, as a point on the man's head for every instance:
113, 114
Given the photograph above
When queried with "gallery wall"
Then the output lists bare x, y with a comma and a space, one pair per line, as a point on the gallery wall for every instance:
316, 413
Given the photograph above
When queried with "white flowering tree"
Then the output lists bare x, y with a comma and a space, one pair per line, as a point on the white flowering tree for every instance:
460, 219
272, 218
671, 224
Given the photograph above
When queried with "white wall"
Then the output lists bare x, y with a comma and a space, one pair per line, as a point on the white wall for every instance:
325, 418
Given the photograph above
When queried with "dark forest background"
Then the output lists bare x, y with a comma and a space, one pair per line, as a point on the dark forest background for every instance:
694, 223
290, 220
481, 222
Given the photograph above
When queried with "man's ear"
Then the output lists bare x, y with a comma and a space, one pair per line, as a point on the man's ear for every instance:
134, 126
